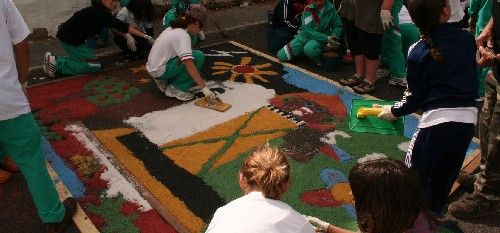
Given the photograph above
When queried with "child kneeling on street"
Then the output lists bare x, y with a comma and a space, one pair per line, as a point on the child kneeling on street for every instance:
72, 34
172, 63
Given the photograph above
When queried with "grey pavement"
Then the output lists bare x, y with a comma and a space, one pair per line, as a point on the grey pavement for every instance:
246, 25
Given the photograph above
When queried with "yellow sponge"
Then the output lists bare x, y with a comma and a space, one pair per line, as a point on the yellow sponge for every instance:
363, 112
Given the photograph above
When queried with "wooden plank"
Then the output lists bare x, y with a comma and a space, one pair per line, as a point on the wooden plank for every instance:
80, 219
470, 164
143, 191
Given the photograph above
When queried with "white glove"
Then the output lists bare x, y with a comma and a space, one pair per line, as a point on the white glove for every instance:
130, 42
318, 224
386, 18
202, 35
334, 42
149, 38
208, 93
386, 113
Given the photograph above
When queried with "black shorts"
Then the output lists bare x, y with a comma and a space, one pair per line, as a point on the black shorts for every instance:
362, 42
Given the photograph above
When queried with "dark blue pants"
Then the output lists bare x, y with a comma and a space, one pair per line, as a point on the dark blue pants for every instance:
437, 153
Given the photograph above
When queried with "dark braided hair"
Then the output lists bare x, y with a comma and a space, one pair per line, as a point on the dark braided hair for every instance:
426, 15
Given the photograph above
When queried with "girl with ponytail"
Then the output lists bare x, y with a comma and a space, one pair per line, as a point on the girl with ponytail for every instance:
264, 178
442, 82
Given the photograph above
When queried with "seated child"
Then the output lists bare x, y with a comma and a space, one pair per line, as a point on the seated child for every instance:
387, 198
139, 15
264, 178
172, 63
180, 7
321, 25
72, 34
284, 22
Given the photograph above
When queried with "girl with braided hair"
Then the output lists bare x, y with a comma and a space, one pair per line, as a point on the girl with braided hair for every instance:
442, 82
264, 178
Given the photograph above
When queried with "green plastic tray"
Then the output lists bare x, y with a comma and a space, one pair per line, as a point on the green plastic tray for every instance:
372, 124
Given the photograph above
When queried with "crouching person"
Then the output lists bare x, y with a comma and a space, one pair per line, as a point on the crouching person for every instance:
321, 25
172, 63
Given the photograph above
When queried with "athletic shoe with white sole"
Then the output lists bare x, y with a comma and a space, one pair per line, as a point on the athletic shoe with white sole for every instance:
399, 82
49, 65
160, 84
171, 91
382, 73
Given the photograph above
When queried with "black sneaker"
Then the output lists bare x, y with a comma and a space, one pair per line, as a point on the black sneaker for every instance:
473, 206
70, 205
466, 181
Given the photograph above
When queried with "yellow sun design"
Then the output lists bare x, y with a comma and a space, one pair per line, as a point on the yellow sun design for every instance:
249, 72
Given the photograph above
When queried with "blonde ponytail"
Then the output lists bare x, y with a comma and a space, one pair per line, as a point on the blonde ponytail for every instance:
267, 170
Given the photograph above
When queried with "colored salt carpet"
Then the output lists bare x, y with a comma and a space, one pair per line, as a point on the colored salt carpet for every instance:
185, 159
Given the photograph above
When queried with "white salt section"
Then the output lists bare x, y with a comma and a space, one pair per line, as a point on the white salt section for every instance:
164, 126
117, 183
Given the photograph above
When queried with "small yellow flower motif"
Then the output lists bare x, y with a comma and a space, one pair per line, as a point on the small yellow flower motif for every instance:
249, 72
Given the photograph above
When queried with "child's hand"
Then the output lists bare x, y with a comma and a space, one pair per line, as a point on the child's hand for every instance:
386, 18
149, 38
208, 93
130, 42
386, 114
318, 224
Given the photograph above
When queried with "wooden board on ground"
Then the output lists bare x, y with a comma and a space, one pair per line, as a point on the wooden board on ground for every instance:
145, 193
216, 105
470, 164
80, 218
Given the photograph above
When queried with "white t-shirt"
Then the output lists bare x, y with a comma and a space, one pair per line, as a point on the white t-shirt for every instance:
171, 43
404, 16
457, 12
13, 30
126, 16
253, 213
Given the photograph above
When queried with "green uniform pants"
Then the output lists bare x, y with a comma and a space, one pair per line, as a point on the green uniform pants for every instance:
392, 52
176, 73
409, 35
77, 61
300, 46
20, 138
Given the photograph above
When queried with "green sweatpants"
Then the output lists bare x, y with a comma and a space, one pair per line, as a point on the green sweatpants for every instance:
392, 52
77, 61
20, 138
409, 35
300, 46
176, 73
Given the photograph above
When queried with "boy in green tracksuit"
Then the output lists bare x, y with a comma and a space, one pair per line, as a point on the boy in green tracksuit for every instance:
392, 51
321, 25
480, 14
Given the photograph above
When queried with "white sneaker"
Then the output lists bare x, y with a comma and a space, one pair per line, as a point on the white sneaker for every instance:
171, 91
382, 73
160, 84
400, 82
49, 64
